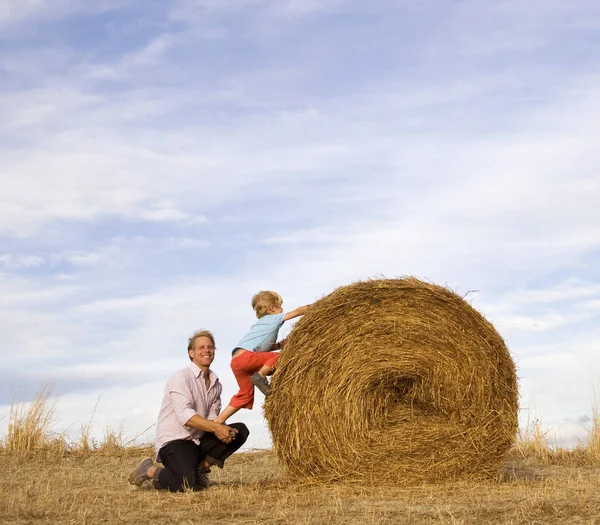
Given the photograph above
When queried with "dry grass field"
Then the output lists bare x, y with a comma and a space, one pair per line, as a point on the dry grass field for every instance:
88, 489
45, 480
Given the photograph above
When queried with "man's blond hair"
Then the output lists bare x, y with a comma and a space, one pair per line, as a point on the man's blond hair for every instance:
196, 335
262, 301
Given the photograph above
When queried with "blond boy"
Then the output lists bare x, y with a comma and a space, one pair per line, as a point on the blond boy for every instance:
253, 359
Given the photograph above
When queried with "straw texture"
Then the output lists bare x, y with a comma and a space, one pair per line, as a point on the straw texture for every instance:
393, 380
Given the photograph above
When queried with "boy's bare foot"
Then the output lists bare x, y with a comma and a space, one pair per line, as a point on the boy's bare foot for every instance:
261, 383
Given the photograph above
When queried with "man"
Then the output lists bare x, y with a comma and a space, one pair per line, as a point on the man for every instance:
188, 440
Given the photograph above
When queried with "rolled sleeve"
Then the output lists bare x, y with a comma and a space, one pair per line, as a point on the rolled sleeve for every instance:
181, 399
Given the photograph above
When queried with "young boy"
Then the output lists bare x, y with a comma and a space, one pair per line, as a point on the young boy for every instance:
253, 359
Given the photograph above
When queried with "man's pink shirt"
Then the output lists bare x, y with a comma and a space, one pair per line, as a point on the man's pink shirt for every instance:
185, 396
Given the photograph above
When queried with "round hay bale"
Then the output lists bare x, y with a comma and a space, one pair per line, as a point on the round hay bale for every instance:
393, 380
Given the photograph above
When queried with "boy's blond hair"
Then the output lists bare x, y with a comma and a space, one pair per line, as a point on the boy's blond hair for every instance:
263, 300
196, 335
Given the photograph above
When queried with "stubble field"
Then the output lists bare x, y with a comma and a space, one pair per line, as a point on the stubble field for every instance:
44, 479
92, 488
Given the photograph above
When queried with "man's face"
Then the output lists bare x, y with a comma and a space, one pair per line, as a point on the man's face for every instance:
203, 352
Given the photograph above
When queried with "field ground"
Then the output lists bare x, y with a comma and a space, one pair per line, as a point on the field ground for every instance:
46, 480
90, 488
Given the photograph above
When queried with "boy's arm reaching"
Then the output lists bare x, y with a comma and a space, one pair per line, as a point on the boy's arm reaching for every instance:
296, 313
227, 413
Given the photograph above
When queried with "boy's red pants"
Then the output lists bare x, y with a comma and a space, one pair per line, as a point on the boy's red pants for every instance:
243, 366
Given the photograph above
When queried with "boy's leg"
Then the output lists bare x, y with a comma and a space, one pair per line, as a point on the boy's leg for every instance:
254, 361
215, 452
243, 367
266, 371
180, 458
259, 379
269, 364
242, 372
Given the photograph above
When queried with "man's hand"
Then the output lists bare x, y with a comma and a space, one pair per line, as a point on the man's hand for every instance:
225, 433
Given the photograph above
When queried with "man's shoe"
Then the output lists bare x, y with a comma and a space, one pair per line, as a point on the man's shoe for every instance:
214, 462
139, 475
261, 383
202, 481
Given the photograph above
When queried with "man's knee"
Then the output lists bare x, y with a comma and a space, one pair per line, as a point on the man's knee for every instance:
242, 431
186, 481
177, 480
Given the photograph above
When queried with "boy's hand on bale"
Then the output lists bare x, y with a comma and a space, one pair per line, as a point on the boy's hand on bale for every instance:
305, 308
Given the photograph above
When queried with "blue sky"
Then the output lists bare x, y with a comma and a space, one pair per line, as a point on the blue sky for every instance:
160, 162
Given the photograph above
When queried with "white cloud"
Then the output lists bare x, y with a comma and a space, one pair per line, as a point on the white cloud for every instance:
18, 12
217, 5
567, 290
129, 65
149, 54
296, 8
39, 106
185, 9
485, 28
20, 261
522, 323
11, 10
123, 180
171, 215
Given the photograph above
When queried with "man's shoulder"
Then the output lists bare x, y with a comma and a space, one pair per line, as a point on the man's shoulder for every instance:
182, 374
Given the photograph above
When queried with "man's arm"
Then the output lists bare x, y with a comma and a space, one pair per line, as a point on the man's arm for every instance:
181, 398
223, 432
296, 313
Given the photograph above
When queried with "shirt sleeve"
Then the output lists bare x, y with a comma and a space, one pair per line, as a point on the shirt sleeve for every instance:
181, 398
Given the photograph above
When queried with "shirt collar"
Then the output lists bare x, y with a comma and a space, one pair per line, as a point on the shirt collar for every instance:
195, 369
198, 372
